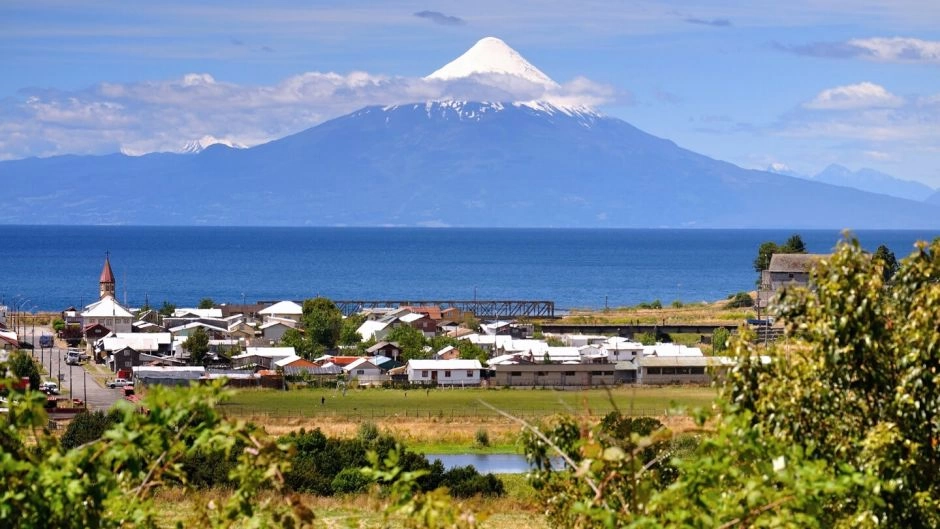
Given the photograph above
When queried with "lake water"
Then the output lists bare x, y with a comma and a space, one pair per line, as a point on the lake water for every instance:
52, 267
485, 463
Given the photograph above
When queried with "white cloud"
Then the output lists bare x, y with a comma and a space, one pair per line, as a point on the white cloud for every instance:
156, 116
856, 96
898, 49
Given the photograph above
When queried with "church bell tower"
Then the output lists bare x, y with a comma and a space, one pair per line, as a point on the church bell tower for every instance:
106, 282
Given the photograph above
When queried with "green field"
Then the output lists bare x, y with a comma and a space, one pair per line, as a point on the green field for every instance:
456, 403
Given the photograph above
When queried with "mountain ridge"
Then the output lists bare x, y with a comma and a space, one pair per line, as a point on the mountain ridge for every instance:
449, 162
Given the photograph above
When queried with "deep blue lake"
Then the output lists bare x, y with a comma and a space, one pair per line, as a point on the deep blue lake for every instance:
56, 266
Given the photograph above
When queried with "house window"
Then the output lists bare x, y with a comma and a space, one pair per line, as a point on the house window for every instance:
360, 371
424, 374
469, 373
515, 373
654, 371
446, 374
698, 370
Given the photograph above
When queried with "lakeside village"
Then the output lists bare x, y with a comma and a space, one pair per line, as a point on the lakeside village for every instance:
251, 345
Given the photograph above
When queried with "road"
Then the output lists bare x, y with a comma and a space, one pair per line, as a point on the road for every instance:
81, 385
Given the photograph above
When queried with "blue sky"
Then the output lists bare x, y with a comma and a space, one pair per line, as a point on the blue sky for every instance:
802, 83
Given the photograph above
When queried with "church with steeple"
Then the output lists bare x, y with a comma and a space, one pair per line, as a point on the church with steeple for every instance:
106, 312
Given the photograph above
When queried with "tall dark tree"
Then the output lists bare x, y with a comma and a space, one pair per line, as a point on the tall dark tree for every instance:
23, 366
206, 303
762, 262
889, 262
198, 346
794, 244
323, 321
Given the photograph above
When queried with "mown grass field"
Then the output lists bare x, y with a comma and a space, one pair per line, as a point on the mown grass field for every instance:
467, 403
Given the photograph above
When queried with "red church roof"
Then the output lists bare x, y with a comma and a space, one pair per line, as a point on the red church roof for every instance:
107, 276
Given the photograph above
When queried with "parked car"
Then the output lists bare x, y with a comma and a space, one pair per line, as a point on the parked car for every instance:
119, 383
45, 341
49, 388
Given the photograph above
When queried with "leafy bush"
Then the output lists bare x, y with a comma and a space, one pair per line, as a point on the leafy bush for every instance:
720, 340
86, 427
655, 304
645, 338
739, 300
350, 480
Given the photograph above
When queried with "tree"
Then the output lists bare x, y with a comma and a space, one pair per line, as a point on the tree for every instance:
794, 244
764, 252
198, 345
410, 340
323, 321
888, 262
58, 324
348, 335
167, 309
302, 345
206, 303
23, 366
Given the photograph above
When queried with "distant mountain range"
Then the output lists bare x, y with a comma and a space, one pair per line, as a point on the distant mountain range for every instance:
869, 180
444, 163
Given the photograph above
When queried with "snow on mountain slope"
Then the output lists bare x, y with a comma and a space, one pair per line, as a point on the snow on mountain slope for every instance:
490, 60
492, 55
197, 146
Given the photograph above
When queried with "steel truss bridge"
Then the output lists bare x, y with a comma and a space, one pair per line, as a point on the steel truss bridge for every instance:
480, 309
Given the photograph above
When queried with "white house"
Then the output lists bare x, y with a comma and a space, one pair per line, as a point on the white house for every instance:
444, 372
365, 372
283, 309
273, 330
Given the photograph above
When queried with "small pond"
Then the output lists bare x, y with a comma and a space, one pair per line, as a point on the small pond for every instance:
486, 463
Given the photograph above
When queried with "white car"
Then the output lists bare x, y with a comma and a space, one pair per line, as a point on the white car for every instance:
49, 388
119, 383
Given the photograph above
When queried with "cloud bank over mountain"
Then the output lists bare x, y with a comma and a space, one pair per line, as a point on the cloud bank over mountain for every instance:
168, 115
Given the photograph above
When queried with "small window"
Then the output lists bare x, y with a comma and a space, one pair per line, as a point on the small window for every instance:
469, 373
515, 373
360, 371
424, 374
446, 374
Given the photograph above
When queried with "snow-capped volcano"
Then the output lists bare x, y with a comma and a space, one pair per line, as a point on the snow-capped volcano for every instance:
491, 62
491, 55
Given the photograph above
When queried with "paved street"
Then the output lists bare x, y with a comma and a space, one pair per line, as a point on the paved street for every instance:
80, 385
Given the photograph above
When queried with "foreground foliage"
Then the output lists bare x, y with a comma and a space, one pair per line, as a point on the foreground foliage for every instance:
110, 481
839, 427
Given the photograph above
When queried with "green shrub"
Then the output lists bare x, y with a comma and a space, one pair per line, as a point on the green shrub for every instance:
739, 300
482, 437
86, 427
645, 338
720, 340
349, 480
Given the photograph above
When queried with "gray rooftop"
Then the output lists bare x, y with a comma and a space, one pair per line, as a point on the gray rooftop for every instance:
794, 262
